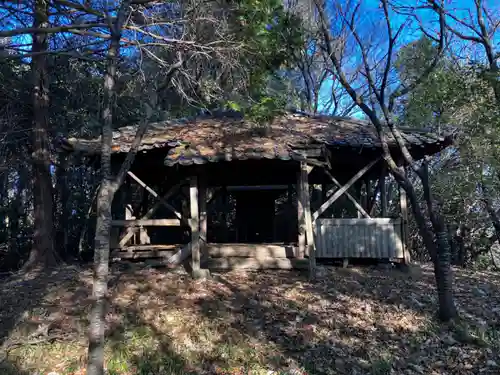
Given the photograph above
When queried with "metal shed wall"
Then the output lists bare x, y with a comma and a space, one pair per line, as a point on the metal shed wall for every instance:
359, 238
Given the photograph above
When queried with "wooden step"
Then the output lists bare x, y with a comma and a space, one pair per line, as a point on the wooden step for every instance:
145, 251
258, 251
234, 263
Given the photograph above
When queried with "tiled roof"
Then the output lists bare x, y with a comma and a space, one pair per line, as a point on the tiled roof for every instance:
230, 137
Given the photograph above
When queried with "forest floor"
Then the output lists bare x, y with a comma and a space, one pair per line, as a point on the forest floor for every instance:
352, 321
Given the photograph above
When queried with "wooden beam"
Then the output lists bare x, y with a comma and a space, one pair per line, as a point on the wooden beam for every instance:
179, 256
146, 223
195, 225
311, 248
143, 254
257, 187
155, 194
149, 214
360, 208
149, 247
317, 163
343, 189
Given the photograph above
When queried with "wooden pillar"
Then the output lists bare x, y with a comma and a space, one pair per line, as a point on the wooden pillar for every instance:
118, 213
325, 188
383, 192
289, 228
129, 215
202, 199
368, 194
403, 203
301, 218
194, 223
362, 197
225, 214
185, 212
317, 198
306, 201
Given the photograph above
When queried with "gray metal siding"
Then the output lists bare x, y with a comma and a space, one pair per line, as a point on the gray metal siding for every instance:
359, 238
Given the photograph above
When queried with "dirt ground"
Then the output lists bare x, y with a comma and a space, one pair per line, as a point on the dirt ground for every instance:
352, 321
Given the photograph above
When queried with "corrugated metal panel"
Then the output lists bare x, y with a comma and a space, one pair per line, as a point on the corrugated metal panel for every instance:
359, 238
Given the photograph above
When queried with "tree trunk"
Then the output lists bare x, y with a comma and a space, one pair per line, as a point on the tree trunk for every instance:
42, 253
107, 190
439, 250
441, 260
101, 270
444, 277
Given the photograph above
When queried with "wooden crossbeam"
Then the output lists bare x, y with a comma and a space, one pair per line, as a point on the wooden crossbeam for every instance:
146, 223
343, 189
155, 194
149, 214
349, 196
180, 255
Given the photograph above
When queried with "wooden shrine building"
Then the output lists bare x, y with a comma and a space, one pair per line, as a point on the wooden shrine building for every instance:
228, 193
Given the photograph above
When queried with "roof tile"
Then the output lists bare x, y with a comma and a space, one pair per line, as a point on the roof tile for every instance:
214, 138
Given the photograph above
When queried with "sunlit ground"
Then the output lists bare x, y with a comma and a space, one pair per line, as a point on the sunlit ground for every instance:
353, 321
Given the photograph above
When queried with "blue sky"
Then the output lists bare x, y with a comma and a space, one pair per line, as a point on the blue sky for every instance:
372, 28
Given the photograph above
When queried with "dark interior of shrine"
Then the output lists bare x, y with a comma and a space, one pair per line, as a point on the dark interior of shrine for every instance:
253, 201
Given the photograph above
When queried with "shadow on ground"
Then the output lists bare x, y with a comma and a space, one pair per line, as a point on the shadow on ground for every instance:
352, 321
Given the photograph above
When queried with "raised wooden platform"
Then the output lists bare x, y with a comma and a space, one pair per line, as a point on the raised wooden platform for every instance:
258, 251
145, 251
235, 263
222, 256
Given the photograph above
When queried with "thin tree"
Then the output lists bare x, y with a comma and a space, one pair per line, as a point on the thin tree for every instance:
179, 38
478, 29
375, 67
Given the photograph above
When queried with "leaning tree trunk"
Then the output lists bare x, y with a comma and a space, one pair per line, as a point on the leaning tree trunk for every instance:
42, 252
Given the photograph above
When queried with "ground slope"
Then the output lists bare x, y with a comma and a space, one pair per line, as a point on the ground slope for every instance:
352, 321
